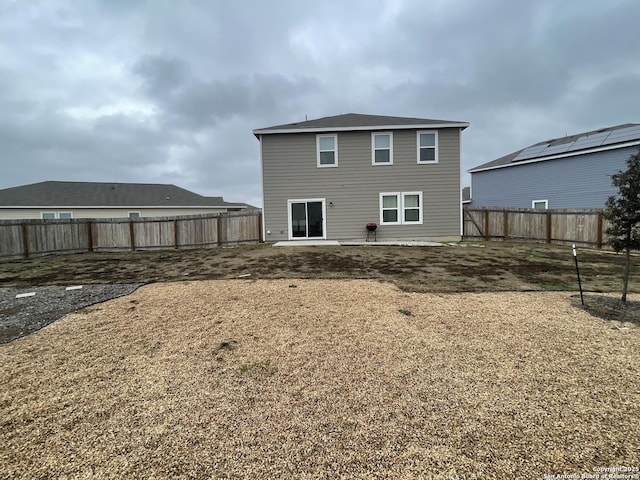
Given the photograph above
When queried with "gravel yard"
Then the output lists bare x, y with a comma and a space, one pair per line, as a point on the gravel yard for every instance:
321, 379
25, 315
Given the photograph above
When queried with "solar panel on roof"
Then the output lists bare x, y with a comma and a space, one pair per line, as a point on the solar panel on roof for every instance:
555, 149
530, 152
623, 135
588, 141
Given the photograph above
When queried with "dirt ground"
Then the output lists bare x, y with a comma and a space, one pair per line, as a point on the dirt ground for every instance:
462, 267
297, 378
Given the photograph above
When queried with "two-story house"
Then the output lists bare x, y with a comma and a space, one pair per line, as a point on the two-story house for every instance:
328, 178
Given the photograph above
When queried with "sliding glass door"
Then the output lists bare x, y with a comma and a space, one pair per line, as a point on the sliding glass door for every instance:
306, 219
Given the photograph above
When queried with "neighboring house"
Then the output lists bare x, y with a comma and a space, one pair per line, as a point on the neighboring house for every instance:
64, 200
327, 178
567, 172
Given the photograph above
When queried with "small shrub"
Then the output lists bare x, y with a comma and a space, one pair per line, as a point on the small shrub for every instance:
405, 312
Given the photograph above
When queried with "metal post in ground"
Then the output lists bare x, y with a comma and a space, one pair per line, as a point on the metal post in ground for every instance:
575, 257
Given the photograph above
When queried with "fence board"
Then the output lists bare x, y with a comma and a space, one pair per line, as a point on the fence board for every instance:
11, 244
111, 235
157, 234
584, 227
198, 232
240, 229
66, 236
59, 237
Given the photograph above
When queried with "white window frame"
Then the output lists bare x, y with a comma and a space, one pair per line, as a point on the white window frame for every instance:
430, 162
324, 218
373, 148
134, 211
335, 150
546, 203
401, 208
56, 215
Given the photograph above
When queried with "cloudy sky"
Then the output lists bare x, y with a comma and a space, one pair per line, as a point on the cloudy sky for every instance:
168, 91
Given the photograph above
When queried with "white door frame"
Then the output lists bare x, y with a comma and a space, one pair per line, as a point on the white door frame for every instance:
324, 218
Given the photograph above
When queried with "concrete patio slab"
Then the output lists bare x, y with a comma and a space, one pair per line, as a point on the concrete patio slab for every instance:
356, 243
307, 243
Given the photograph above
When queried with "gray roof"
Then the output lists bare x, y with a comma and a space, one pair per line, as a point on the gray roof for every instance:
92, 194
357, 121
567, 146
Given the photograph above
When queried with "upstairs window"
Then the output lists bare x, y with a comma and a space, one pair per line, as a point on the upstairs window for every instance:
540, 204
327, 150
401, 208
427, 147
56, 215
382, 148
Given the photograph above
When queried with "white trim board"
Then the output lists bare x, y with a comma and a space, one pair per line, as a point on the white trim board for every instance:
268, 131
122, 207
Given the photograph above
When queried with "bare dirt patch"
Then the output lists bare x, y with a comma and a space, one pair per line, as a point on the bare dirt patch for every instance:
320, 379
464, 267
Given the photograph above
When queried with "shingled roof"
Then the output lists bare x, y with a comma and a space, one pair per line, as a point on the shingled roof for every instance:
605, 138
93, 194
357, 121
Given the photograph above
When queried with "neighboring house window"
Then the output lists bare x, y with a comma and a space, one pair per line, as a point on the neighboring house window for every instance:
53, 215
327, 146
134, 214
427, 147
402, 208
382, 148
540, 204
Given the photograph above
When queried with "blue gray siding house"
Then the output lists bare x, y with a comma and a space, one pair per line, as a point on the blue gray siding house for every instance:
566, 172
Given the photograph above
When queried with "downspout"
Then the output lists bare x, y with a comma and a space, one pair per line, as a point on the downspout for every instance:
264, 212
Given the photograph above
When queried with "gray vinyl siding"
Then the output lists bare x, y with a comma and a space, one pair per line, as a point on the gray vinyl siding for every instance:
290, 171
582, 181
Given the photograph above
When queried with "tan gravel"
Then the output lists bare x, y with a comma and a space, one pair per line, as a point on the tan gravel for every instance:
320, 379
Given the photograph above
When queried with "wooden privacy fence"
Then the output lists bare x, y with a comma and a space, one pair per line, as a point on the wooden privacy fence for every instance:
582, 227
23, 238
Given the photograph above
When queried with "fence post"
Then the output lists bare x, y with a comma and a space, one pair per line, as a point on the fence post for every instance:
548, 227
219, 230
599, 235
260, 237
505, 225
90, 236
132, 237
486, 224
25, 240
175, 233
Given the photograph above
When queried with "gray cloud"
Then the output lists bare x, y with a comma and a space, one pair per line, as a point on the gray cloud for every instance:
169, 92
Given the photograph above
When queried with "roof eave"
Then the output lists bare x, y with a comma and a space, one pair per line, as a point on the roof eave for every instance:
269, 131
106, 207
